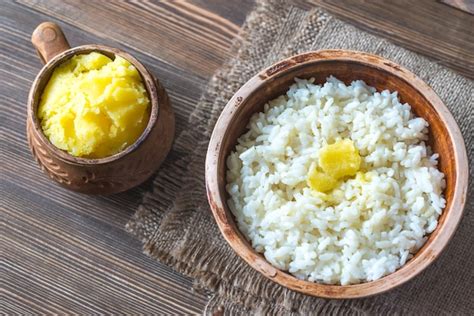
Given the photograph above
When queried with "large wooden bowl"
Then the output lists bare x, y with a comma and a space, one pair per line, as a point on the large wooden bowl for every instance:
445, 139
112, 174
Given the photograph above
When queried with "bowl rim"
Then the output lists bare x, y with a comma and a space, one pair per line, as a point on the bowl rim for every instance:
148, 81
236, 240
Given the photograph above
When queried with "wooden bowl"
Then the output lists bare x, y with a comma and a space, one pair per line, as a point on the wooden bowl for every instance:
445, 139
108, 175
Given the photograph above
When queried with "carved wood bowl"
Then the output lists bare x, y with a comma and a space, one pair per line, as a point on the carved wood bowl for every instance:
108, 175
445, 139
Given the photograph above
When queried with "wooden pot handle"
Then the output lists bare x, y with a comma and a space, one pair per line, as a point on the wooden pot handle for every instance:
49, 41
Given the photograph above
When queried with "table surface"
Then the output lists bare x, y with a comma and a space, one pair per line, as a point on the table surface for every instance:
63, 251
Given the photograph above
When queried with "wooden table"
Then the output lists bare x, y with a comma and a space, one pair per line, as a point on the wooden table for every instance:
67, 252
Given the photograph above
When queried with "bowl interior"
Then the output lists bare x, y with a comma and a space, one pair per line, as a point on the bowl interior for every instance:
45, 74
256, 94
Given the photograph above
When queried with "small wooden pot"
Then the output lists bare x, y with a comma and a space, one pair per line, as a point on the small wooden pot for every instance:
108, 175
445, 139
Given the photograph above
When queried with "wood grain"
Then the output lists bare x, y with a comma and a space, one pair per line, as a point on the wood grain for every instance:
65, 252
184, 36
427, 27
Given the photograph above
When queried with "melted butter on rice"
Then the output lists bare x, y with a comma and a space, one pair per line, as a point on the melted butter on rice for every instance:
370, 216
336, 161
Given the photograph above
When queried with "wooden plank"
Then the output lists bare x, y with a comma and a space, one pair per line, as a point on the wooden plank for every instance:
68, 261
176, 32
427, 27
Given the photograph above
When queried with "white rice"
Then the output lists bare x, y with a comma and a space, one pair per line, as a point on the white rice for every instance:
377, 224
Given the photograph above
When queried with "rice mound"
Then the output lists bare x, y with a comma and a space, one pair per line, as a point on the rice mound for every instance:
367, 227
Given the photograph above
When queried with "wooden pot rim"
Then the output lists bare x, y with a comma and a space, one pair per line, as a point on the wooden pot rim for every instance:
148, 81
425, 256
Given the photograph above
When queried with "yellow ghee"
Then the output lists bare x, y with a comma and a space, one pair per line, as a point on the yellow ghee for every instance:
94, 106
320, 181
336, 161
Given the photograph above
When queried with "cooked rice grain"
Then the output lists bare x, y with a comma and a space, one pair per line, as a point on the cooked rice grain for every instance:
364, 229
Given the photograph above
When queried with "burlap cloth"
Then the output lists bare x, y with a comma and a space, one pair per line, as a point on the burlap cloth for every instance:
177, 227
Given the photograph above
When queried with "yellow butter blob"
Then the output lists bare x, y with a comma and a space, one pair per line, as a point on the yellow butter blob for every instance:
340, 159
94, 106
320, 181
336, 161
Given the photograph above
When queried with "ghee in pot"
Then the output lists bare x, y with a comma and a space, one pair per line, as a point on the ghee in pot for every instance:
94, 106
